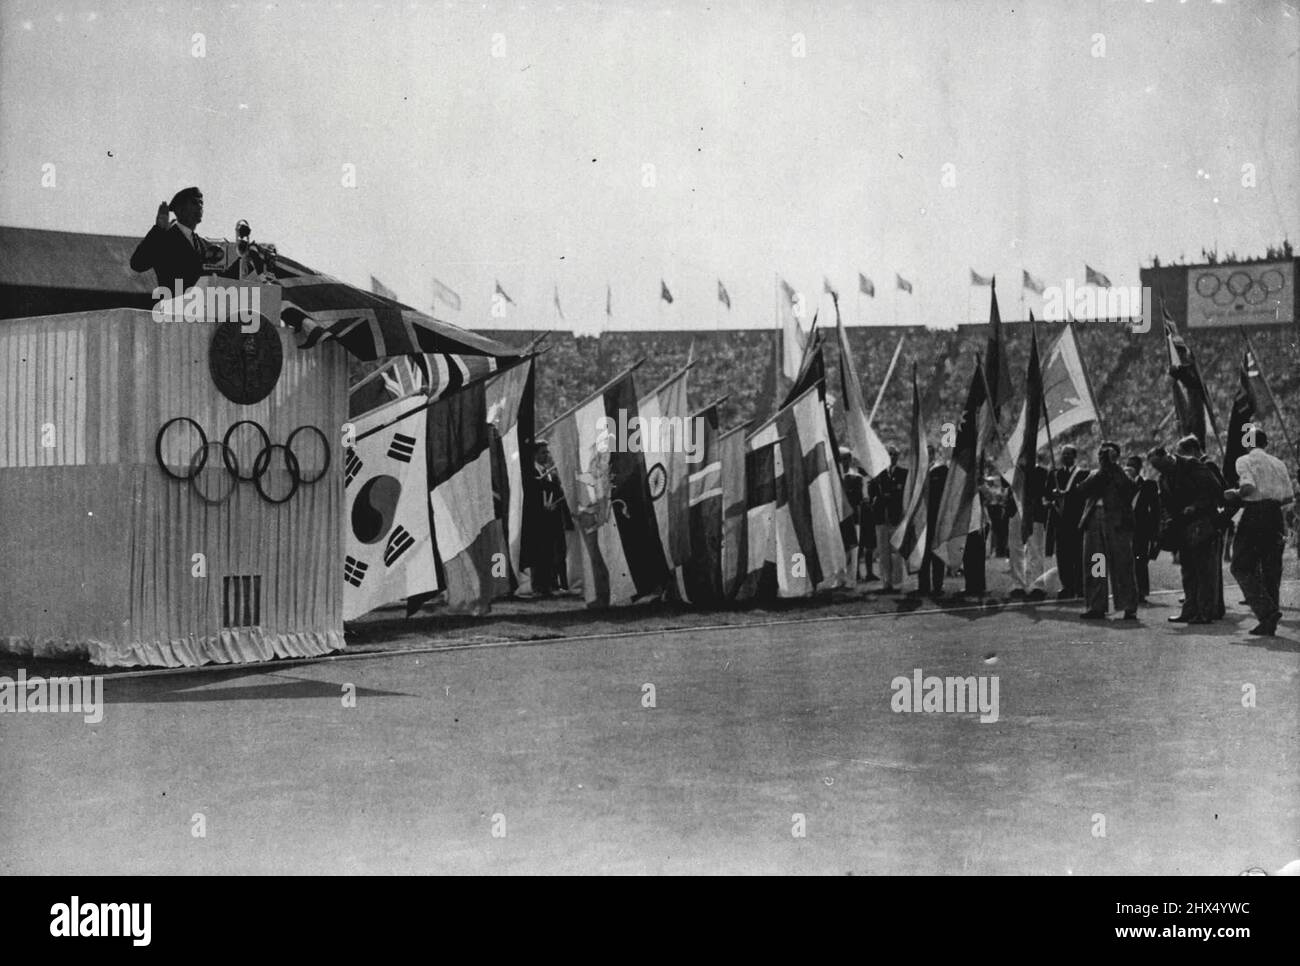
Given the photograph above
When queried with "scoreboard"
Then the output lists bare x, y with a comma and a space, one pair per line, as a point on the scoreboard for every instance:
1255, 293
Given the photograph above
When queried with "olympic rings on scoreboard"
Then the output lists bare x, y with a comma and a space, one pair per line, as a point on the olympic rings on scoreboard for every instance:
1240, 285
281, 456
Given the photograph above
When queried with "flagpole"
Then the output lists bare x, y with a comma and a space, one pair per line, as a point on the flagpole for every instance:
676, 374
1047, 417
1281, 417
888, 375
572, 409
717, 402
771, 419
739, 427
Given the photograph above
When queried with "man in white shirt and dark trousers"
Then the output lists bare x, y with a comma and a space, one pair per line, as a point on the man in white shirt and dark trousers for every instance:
1264, 489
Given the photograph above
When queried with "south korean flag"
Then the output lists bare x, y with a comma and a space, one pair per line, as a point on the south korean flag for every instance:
389, 552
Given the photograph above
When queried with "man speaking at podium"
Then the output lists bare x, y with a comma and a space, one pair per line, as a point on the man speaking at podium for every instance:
174, 250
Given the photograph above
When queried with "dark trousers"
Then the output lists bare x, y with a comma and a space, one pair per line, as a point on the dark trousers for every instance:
930, 577
1142, 573
1257, 557
972, 563
1069, 557
1220, 608
1200, 591
866, 540
1117, 575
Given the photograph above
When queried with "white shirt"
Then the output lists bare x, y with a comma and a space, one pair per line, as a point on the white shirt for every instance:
1267, 474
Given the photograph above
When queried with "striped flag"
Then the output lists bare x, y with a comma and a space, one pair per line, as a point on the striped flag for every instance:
731, 454
510, 407
664, 415
700, 577
794, 511
608, 495
910, 537
762, 466
444, 374
959, 508
443, 294
388, 546
808, 517
471, 547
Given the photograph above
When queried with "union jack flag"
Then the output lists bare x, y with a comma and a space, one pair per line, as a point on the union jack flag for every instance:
369, 326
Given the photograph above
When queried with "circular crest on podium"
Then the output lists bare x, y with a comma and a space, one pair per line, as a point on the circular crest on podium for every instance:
245, 366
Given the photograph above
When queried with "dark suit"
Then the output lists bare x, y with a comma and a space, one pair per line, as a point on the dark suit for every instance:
1194, 494
932, 568
887, 511
1107, 526
1146, 528
171, 256
1224, 519
1063, 529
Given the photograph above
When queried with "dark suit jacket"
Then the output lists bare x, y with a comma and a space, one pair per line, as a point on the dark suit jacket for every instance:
1038, 493
1189, 483
1065, 519
888, 486
170, 255
1110, 486
934, 495
1146, 514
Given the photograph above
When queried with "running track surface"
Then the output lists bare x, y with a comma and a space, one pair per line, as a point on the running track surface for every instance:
1141, 728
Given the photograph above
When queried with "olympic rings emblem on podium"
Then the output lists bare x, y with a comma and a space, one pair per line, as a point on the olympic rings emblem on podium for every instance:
271, 462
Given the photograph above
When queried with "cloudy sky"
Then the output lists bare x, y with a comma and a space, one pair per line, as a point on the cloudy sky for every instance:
573, 145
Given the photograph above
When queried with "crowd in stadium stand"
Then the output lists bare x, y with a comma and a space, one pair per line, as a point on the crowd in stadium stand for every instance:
1129, 374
